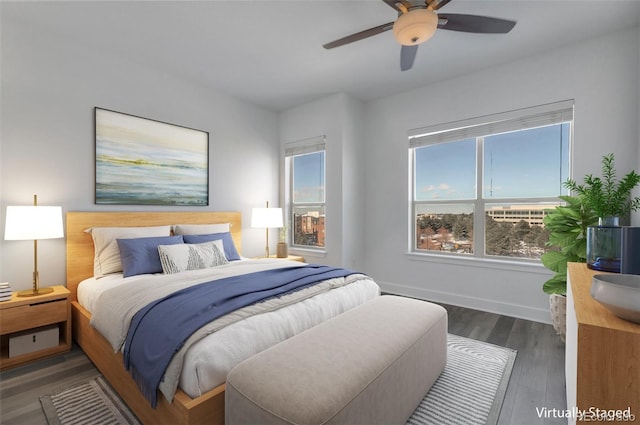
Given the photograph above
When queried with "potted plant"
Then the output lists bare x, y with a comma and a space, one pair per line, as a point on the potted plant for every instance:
567, 225
610, 199
282, 249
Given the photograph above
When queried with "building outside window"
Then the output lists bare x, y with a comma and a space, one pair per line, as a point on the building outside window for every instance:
479, 187
305, 189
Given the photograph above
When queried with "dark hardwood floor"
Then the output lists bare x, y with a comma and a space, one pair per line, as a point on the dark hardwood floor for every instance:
537, 379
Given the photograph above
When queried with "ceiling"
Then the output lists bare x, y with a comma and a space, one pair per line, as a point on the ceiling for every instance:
270, 52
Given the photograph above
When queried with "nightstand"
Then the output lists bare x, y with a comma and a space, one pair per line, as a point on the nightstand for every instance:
290, 258
24, 319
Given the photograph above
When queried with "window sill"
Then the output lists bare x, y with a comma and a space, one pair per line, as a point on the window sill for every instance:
313, 253
489, 263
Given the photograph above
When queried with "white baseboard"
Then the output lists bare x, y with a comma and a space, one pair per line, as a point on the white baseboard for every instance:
491, 306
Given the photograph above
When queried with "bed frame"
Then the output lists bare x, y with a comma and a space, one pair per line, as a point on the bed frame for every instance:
209, 407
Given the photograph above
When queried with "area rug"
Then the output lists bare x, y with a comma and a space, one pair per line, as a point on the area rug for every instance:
471, 388
469, 391
92, 402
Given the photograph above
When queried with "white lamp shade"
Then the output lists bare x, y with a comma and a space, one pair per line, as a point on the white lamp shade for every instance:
33, 222
415, 26
266, 217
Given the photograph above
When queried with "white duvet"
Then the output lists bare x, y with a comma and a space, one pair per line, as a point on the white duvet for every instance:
208, 361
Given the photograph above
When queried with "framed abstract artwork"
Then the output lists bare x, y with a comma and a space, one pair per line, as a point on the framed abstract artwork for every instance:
140, 161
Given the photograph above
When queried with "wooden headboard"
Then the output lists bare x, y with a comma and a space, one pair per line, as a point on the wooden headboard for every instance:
80, 244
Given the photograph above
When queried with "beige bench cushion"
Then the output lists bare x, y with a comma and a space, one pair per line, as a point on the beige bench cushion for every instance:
372, 364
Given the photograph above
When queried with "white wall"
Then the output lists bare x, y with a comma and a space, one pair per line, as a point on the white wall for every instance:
353, 184
50, 85
339, 118
601, 75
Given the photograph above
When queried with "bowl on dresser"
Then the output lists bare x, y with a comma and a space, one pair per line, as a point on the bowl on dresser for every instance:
619, 293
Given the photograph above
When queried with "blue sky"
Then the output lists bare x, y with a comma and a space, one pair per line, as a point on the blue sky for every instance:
308, 179
518, 164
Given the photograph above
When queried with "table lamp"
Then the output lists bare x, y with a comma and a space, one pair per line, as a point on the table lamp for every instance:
266, 218
33, 222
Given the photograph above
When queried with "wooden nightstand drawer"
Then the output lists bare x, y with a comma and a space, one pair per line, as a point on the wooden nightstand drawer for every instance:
33, 315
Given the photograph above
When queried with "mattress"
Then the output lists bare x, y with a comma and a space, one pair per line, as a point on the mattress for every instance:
208, 361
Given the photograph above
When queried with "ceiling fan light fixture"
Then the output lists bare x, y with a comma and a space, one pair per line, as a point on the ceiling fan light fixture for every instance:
415, 27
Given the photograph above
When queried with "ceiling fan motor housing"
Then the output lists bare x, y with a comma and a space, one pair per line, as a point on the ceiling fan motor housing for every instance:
415, 27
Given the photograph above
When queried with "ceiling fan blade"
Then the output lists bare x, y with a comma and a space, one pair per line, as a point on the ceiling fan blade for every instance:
407, 56
393, 4
474, 23
437, 4
359, 35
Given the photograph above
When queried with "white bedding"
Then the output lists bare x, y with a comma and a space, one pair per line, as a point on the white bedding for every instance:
208, 361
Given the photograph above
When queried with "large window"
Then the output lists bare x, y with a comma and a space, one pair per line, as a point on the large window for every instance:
480, 187
305, 181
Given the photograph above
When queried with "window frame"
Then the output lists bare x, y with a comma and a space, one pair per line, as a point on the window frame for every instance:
304, 147
527, 118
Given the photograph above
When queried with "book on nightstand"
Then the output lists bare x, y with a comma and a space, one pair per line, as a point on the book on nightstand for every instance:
5, 291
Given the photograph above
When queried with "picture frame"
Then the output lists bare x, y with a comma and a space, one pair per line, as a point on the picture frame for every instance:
141, 161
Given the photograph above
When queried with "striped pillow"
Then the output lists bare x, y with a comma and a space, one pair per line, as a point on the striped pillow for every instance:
180, 258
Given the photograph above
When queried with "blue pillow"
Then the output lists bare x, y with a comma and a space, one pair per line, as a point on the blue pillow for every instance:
230, 250
140, 255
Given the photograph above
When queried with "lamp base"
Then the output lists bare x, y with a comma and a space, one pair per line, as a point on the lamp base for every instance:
34, 292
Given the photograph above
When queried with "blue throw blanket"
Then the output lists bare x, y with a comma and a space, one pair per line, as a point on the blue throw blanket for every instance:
159, 329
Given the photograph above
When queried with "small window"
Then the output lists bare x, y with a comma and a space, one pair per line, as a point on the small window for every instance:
305, 181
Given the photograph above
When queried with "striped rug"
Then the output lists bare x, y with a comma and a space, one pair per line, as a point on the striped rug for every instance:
471, 388
93, 402
469, 391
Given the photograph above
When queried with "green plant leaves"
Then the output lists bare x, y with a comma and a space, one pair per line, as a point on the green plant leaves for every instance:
568, 228
554, 261
556, 285
607, 196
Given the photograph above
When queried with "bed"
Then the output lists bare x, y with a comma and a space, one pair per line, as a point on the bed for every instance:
190, 406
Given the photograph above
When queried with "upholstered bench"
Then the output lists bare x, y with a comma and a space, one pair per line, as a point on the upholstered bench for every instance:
370, 365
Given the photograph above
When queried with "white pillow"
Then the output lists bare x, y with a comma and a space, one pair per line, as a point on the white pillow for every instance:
183, 257
106, 258
200, 229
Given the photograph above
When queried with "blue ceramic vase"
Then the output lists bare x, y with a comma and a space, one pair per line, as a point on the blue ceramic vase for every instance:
604, 245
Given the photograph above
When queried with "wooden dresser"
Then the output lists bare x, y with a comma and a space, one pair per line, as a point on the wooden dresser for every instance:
602, 352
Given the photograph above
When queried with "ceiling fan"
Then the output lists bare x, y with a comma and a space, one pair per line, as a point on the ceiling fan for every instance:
417, 23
